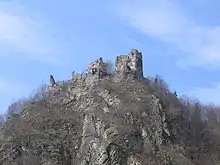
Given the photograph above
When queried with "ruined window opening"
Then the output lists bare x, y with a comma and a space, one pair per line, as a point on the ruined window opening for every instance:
94, 70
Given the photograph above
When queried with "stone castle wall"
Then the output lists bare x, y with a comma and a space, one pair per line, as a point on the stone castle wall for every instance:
124, 64
98, 68
132, 62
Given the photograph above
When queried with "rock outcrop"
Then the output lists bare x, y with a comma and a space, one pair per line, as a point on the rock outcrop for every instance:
93, 120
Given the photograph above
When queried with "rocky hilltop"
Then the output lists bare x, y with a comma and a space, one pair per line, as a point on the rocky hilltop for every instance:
108, 118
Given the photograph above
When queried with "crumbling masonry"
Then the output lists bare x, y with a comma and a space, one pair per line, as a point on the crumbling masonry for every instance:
131, 64
97, 68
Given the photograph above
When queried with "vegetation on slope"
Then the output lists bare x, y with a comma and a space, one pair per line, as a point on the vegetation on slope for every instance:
194, 127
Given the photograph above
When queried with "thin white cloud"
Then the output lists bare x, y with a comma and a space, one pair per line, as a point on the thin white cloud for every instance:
169, 23
210, 95
22, 33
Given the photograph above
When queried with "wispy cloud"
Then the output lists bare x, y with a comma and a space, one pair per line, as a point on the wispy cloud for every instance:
166, 21
208, 95
21, 32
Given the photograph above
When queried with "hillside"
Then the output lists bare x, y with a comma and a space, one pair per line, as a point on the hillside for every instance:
111, 118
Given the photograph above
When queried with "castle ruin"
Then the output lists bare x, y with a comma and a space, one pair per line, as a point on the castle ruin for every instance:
52, 81
131, 64
97, 68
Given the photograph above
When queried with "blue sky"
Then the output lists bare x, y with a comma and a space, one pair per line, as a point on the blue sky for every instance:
180, 40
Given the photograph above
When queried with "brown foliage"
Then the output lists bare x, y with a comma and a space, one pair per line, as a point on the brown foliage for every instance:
194, 127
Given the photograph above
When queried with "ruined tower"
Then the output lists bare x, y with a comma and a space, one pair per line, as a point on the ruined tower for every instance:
97, 69
52, 81
130, 64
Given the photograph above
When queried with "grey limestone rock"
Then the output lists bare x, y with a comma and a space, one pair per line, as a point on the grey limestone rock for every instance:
96, 119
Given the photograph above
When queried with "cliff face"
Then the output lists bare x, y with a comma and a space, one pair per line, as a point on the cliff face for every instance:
97, 119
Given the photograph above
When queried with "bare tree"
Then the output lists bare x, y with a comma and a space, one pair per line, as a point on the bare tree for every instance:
14, 108
2, 120
40, 93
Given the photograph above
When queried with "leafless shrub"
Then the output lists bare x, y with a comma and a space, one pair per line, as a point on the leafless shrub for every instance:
15, 108
2, 120
199, 138
41, 93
